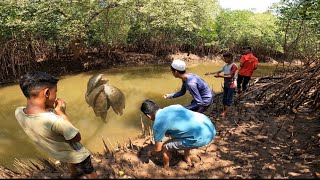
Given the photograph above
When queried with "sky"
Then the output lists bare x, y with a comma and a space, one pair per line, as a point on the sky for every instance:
259, 5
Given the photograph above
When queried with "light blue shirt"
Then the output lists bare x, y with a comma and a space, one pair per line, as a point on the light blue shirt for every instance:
196, 129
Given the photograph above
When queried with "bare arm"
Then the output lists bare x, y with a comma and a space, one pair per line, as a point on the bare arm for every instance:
208, 73
60, 108
226, 76
157, 149
158, 146
223, 76
77, 138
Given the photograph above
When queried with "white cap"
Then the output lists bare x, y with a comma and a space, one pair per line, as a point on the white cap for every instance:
179, 65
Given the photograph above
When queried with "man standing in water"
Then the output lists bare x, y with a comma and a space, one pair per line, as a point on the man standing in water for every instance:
200, 91
44, 120
248, 63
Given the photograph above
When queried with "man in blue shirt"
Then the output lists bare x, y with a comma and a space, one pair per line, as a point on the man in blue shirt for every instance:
200, 91
187, 129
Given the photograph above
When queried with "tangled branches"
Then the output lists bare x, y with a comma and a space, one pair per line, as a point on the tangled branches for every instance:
298, 92
20, 56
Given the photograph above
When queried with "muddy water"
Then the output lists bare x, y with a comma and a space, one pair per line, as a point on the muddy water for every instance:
137, 83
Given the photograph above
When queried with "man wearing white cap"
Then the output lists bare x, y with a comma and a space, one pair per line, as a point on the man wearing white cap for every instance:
197, 87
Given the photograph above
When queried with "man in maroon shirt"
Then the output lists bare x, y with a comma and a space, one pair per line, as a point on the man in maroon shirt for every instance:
248, 63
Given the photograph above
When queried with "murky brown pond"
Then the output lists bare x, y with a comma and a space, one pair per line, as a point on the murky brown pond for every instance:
137, 83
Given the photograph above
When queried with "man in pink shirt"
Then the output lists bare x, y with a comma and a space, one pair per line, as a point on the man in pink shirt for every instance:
248, 63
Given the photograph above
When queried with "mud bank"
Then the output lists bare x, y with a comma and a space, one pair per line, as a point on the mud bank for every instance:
250, 143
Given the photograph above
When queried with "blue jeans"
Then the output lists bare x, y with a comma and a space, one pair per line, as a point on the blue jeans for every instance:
228, 96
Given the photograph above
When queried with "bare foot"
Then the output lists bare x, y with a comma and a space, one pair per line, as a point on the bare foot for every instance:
188, 160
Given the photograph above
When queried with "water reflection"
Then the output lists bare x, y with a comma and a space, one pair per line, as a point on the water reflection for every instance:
137, 84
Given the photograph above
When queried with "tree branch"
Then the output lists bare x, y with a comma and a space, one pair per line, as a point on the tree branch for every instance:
94, 15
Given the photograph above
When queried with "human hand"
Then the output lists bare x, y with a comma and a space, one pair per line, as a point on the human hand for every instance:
166, 96
207, 73
60, 106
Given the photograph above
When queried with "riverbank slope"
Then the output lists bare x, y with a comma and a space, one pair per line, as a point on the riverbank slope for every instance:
250, 143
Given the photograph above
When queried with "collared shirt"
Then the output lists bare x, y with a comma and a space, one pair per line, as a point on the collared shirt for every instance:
195, 129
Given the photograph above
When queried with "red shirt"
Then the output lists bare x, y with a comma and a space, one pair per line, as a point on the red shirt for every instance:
249, 63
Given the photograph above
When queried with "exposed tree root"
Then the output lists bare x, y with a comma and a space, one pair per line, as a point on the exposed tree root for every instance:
298, 92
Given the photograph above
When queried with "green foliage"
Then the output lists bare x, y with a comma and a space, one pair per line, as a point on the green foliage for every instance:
174, 21
239, 28
110, 27
162, 24
59, 20
300, 22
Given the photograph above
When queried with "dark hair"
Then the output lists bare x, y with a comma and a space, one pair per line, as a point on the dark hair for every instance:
247, 47
36, 79
149, 107
173, 69
228, 55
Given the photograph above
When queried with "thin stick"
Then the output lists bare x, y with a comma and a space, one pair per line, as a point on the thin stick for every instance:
131, 145
142, 126
106, 149
110, 144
